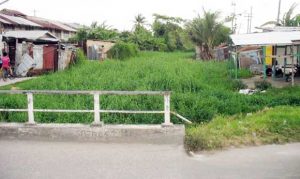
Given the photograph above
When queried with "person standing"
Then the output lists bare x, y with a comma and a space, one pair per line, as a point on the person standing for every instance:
5, 66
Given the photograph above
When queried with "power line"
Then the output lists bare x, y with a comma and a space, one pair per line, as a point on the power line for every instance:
4, 2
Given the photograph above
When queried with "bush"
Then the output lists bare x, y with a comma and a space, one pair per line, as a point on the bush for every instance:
238, 84
123, 51
80, 57
262, 85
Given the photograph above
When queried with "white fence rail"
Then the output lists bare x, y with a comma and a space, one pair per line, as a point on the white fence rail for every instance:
97, 108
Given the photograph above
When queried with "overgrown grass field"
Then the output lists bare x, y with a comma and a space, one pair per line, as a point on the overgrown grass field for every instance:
200, 90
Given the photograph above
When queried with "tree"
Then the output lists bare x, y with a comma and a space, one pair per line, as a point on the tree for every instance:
102, 32
170, 29
96, 32
139, 22
288, 19
207, 32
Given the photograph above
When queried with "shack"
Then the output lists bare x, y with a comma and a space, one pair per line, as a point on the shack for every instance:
35, 52
278, 51
221, 52
97, 49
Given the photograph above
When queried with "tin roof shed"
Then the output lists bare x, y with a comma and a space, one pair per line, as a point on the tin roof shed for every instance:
266, 38
36, 35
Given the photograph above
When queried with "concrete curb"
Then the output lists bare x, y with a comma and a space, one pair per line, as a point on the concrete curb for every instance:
108, 133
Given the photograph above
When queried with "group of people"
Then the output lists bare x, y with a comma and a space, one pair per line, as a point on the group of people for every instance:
5, 66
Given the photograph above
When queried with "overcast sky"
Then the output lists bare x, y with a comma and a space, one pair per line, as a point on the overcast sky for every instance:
120, 13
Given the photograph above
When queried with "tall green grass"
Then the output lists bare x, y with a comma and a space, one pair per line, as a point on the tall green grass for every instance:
277, 125
200, 90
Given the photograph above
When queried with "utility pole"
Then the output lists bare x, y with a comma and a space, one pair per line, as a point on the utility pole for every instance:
278, 14
249, 21
233, 22
251, 16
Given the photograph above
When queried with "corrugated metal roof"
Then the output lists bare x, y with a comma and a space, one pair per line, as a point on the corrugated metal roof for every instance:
74, 25
4, 21
11, 12
44, 22
63, 26
31, 35
19, 20
266, 38
51, 24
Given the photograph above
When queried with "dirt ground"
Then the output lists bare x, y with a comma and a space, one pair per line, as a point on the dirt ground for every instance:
13, 81
276, 82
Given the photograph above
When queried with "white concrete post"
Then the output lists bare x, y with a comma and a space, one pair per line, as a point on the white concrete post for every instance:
30, 109
167, 111
97, 121
293, 66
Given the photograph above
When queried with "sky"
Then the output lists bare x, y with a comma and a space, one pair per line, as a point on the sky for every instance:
120, 14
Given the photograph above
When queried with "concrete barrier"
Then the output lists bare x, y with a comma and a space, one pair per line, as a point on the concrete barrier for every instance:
155, 134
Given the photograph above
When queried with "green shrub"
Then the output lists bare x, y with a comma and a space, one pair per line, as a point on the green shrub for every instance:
262, 85
80, 57
238, 84
122, 50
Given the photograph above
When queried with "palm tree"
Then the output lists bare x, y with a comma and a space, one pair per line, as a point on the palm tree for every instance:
207, 32
287, 19
139, 21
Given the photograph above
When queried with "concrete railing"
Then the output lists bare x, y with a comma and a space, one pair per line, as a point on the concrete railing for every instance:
97, 110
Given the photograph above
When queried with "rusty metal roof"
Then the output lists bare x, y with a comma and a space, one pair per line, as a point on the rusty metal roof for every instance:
11, 12
63, 26
31, 35
4, 21
8, 16
74, 25
44, 22
18, 20
51, 24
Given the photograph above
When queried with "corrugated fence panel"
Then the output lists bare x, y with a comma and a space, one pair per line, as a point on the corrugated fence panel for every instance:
27, 63
64, 60
49, 57
19, 53
38, 56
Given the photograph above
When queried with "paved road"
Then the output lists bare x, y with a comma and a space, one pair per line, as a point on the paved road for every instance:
42, 160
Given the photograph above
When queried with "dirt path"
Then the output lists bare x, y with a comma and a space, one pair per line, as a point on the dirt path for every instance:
277, 82
13, 81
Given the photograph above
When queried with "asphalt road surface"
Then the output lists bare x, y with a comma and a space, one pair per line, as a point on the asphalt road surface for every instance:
42, 160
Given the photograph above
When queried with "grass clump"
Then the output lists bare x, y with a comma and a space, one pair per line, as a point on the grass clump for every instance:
122, 50
276, 125
262, 85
